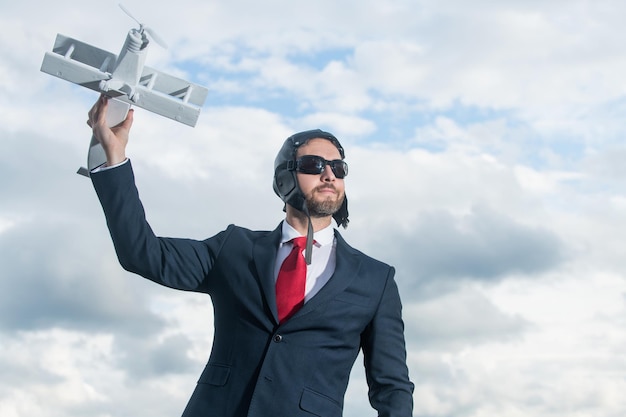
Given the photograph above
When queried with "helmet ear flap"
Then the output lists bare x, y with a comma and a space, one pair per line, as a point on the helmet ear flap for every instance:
286, 187
284, 182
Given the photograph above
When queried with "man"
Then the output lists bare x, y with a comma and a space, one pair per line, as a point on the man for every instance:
277, 351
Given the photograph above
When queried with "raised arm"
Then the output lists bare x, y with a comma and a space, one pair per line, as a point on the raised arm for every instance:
177, 263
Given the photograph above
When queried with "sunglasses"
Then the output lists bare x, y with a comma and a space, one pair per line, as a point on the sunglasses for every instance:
315, 165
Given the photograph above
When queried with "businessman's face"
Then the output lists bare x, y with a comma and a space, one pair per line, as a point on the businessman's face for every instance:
324, 192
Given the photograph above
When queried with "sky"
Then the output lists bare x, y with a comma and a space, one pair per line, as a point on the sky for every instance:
485, 141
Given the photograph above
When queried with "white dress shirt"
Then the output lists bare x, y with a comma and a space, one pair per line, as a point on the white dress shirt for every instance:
323, 259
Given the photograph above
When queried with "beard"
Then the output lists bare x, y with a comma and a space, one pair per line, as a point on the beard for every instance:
323, 206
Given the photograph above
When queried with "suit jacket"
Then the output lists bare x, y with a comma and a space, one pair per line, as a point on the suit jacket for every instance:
258, 367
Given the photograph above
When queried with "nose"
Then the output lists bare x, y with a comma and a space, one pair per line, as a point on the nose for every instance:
327, 175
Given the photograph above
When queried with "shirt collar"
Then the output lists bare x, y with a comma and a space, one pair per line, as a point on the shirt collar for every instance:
321, 237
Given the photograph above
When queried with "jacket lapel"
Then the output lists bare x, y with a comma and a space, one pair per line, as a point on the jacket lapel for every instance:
346, 269
264, 253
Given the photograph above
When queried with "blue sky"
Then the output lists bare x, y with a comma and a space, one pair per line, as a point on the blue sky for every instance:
485, 142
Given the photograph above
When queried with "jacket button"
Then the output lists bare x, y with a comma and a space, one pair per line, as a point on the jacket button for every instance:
278, 338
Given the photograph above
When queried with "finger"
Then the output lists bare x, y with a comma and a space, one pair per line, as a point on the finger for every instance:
128, 122
90, 114
93, 112
103, 104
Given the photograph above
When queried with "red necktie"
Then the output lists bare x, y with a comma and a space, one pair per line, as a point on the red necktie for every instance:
291, 281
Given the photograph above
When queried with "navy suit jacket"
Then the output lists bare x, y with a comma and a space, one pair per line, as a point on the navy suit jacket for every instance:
258, 367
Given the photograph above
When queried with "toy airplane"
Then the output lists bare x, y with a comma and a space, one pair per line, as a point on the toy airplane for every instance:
126, 79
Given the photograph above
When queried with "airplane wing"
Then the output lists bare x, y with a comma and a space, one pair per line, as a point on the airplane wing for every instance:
86, 65
169, 96
78, 62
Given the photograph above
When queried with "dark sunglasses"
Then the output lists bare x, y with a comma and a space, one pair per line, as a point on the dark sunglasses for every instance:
315, 165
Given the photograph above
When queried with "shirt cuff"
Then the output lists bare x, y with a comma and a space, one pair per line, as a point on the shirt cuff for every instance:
105, 167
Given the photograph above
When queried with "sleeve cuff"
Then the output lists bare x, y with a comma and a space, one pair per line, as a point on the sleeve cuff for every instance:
105, 167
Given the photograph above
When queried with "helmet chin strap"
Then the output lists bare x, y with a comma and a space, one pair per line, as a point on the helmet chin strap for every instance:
309, 237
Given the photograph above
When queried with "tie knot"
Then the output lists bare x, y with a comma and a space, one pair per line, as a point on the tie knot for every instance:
299, 242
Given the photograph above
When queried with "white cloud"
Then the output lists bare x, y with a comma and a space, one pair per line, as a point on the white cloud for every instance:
485, 136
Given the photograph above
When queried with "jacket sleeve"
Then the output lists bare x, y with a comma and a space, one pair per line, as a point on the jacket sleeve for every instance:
177, 263
384, 352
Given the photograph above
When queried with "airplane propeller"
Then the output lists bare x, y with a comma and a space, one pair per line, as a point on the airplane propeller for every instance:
143, 28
